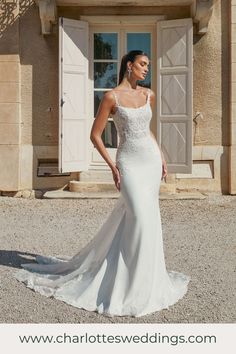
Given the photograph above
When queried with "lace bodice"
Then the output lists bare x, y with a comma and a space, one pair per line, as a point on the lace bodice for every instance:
135, 140
132, 123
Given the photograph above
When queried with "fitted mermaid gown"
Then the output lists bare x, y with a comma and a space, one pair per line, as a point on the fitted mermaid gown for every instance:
122, 270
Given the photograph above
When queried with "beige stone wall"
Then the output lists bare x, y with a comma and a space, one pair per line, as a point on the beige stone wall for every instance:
9, 98
232, 160
211, 136
210, 79
39, 96
38, 92
39, 88
39, 82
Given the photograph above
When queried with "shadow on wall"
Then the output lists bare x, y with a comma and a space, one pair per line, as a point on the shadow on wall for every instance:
11, 11
8, 15
20, 34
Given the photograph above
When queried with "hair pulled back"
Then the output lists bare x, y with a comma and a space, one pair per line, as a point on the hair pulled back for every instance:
130, 56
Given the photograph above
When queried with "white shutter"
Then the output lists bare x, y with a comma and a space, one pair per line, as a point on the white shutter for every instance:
73, 95
174, 93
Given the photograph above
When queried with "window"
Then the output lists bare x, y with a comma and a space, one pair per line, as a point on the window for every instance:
106, 63
105, 76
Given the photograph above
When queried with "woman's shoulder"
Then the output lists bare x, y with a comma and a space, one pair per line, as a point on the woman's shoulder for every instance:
109, 95
146, 90
150, 91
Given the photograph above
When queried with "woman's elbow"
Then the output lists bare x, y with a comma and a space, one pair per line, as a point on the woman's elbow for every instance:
94, 136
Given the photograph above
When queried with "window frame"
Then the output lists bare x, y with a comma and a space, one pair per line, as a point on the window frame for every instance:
120, 25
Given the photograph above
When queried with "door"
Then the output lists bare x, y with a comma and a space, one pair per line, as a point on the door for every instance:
174, 93
83, 82
73, 95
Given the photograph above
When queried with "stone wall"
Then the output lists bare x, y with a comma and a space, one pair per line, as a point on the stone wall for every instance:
29, 96
232, 161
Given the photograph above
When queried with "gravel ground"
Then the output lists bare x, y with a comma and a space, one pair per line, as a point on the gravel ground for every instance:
199, 240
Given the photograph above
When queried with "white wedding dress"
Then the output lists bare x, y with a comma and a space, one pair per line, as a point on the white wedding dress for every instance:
122, 270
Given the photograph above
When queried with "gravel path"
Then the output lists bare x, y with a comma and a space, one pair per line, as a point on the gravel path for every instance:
199, 240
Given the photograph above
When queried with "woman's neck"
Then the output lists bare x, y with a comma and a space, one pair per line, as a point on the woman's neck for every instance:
129, 84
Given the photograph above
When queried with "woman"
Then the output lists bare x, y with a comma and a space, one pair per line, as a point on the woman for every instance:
132, 93
122, 270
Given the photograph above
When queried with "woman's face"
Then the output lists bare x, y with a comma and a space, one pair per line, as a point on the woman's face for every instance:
139, 67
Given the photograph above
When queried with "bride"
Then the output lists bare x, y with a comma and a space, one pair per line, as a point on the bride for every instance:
122, 271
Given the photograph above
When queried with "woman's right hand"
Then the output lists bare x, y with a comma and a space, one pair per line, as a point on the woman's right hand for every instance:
116, 176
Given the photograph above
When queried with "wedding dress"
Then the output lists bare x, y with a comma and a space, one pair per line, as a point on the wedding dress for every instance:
122, 270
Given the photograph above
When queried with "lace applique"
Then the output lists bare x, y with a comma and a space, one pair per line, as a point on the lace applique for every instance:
133, 127
132, 122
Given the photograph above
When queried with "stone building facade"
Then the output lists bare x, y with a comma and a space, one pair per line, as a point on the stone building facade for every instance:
192, 47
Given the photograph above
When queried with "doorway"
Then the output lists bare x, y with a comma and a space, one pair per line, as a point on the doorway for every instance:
107, 47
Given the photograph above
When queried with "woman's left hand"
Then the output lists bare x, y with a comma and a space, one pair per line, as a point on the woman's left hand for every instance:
164, 169
116, 176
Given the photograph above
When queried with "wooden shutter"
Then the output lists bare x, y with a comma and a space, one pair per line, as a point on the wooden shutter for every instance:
174, 93
73, 95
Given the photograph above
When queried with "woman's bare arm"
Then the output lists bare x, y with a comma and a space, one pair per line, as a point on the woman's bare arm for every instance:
99, 124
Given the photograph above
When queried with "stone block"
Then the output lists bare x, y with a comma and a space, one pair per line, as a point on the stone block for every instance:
9, 134
78, 186
233, 133
9, 92
9, 58
9, 167
233, 85
233, 13
233, 48
95, 175
233, 38
233, 72
200, 169
9, 71
26, 163
9, 113
26, 194
234, 113
211, 152
232, 168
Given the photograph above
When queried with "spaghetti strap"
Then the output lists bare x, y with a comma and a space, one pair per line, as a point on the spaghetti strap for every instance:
117, 101
148, 95
116, 98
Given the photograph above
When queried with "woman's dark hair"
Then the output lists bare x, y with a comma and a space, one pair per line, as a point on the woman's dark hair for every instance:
130, 56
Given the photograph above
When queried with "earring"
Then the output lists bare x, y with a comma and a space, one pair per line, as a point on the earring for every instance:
129, 72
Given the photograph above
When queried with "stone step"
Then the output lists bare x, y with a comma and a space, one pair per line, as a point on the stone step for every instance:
103, 190
62, 194
88, 186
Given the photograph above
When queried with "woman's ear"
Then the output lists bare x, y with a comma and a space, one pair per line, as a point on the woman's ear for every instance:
129, 65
